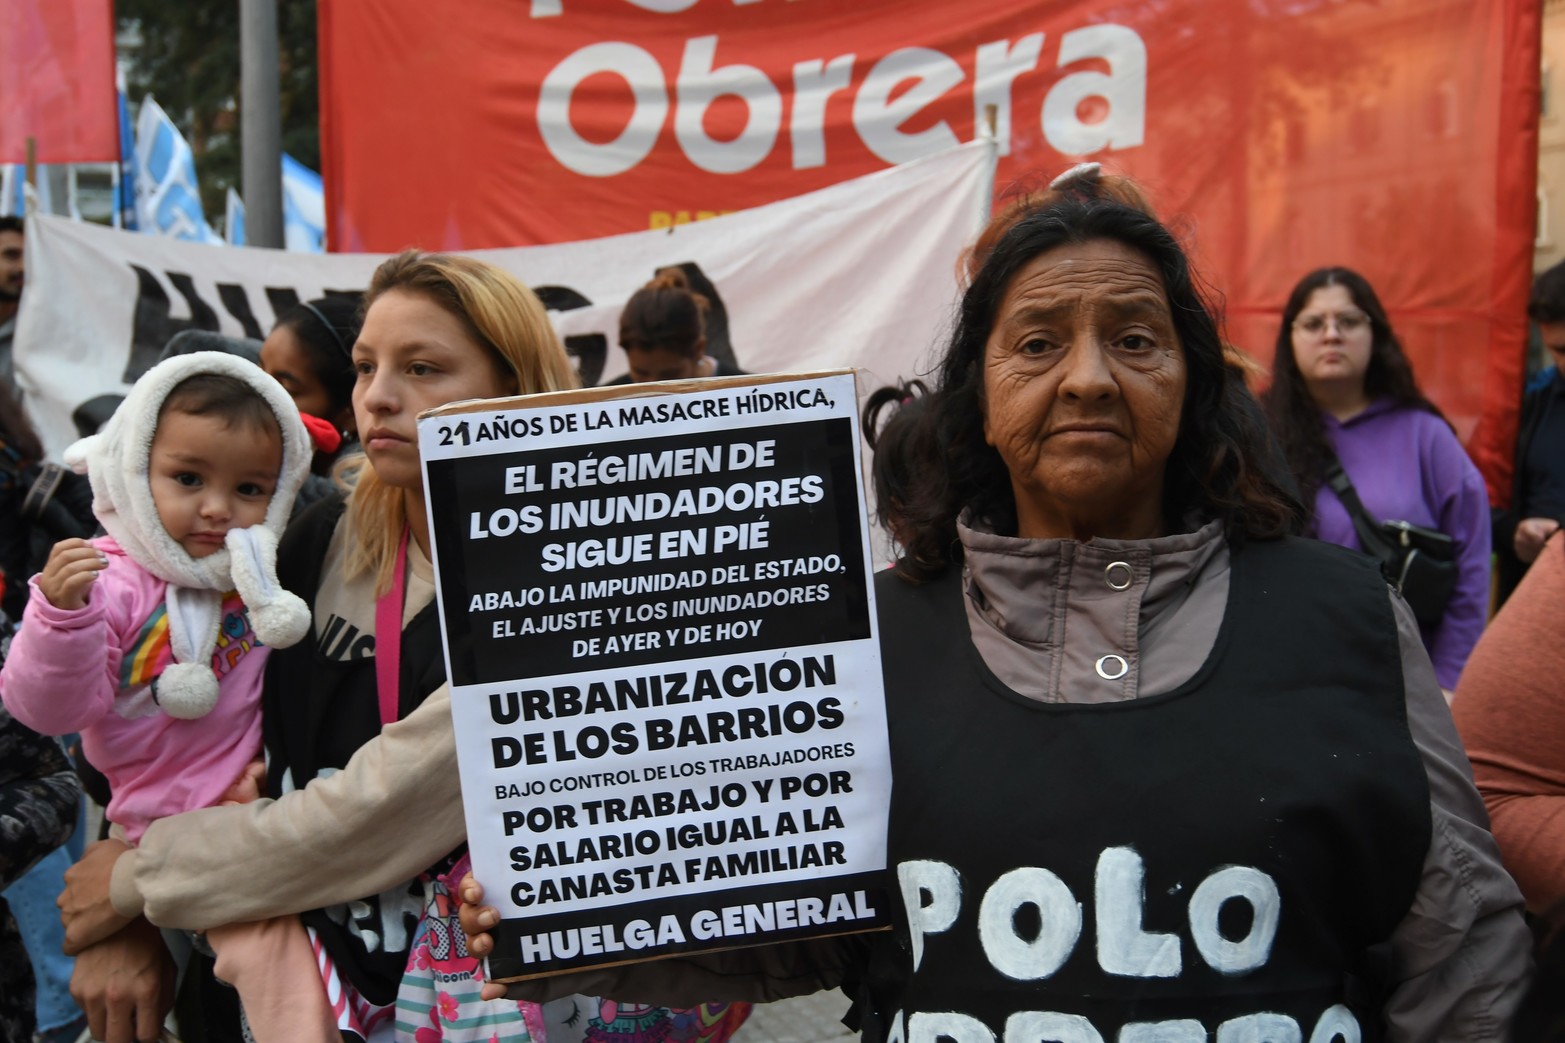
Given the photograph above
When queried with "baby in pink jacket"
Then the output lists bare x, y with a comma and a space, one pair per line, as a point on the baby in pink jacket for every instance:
151, 641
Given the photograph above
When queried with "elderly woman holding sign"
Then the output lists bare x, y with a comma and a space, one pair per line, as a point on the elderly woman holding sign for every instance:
1180, 773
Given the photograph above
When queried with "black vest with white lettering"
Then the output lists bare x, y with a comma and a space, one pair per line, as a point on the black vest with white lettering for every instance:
1223, 859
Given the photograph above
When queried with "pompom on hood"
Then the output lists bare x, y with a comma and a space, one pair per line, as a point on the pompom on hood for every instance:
117, 461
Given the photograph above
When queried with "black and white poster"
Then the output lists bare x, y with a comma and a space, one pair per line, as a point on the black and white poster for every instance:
665, 675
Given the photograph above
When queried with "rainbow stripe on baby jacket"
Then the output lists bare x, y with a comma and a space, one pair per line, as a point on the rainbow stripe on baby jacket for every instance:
150, 653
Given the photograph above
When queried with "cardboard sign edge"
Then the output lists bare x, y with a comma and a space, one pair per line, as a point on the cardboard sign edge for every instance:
610, 392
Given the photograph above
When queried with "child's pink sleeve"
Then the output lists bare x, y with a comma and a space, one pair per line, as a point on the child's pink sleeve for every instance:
62, 671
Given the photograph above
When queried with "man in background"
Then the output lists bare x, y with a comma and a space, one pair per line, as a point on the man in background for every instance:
10, 295
1538, 483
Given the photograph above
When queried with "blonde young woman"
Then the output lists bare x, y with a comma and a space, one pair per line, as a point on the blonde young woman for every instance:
366, 793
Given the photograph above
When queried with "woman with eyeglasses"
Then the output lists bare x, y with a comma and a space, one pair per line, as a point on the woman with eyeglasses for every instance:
1343, 391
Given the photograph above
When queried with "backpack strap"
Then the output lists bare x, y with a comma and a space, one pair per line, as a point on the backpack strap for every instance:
42, 491
301, 553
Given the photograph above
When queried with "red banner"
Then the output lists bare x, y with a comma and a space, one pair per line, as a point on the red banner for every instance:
1398, 137
57, 81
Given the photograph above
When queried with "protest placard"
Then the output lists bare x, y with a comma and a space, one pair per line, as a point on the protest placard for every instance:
665, 671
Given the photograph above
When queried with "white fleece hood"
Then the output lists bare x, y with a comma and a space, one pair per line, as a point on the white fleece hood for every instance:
117, 460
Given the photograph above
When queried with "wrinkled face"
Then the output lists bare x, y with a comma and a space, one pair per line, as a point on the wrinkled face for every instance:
1084, 383
413, 355
286, 361
1332, 338
661, 364
208, 477
10, 266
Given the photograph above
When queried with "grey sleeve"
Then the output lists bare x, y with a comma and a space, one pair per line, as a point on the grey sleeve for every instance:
1460, 958
38, 798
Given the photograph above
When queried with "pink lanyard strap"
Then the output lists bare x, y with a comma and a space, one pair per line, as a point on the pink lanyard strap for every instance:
388, 637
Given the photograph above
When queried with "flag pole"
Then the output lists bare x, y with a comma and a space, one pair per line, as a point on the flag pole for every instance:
260, 123
30, 199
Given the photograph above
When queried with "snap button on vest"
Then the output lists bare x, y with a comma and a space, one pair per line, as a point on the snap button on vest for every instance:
1112, 667
1119, 575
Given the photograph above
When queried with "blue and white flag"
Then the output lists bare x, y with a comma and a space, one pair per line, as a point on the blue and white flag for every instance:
41, 192
125, 172
13, 201
304, 211
234, 220
15, 192
304, 208
168, 201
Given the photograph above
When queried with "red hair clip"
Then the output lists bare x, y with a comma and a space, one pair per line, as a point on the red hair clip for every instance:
327, 438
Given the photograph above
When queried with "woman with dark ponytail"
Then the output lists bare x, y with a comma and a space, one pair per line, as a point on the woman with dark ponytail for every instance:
310, 353
663, 333
903, 451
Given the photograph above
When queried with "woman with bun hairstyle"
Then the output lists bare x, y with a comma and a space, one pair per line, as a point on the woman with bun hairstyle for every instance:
663, 333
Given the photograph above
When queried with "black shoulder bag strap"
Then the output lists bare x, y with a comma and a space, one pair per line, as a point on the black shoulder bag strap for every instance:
1370, 534
42, 491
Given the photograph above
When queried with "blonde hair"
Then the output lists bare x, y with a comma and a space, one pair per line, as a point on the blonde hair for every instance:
501, 315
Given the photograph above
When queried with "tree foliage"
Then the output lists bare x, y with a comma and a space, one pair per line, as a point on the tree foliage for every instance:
188, 58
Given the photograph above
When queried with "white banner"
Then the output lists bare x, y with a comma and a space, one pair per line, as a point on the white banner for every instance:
861, 275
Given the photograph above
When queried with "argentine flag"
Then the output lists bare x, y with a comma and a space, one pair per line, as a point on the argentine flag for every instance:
125, 176
304, 208
13, 198
168, 201
234, 221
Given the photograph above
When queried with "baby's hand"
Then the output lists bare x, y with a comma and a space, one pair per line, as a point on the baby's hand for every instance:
476, 920
69, 572
247, 787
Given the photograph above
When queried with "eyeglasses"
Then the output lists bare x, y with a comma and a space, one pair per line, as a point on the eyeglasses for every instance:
1348, 323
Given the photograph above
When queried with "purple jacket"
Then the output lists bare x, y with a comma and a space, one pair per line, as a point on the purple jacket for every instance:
1408, 466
